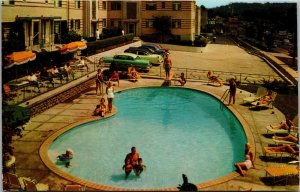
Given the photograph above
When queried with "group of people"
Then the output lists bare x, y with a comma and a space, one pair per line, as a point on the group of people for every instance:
133, 162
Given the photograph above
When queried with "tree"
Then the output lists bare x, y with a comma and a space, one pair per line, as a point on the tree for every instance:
162, 25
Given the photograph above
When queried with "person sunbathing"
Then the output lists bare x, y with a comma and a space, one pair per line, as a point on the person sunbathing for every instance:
213, 78
287, 125
293, 149
115, 77
132, 73
266, 99
289, 137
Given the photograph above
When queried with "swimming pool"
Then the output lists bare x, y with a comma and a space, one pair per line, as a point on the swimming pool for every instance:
175, 131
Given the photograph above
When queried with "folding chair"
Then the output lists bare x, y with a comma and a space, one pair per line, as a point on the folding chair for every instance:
74, 188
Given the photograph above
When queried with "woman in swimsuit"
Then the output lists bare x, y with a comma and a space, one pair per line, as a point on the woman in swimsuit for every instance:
110, 95
248, 163
213, 78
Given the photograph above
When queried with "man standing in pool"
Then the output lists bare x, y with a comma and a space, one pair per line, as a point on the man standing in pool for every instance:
133, 157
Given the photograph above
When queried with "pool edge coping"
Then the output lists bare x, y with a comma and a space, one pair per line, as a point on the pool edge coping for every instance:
43, 152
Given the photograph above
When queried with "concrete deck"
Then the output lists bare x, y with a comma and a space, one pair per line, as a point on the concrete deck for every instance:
29, 164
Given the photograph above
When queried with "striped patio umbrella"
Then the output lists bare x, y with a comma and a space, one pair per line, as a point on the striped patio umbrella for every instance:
19, 58
73, 47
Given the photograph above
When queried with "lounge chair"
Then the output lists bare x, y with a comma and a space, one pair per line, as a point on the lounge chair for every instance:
11, 181
280, 153
31, 186
260, 92
74, 188
269, 102
272, 130
282, 172
23, 183
278, 142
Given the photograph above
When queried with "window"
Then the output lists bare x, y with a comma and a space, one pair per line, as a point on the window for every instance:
104, 23
176, 6
112, 22
116, 5
77, 4
149, 23
150, 6
8, 2
104, 5
77, 24
163, 5
176, 24
72, 24
57, 3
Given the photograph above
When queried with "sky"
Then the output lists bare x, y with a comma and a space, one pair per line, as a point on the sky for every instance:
217, 3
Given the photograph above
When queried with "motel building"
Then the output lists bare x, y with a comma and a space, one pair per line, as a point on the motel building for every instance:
45, 21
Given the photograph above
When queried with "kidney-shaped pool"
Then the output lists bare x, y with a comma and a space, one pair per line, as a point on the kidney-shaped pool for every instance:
175, 131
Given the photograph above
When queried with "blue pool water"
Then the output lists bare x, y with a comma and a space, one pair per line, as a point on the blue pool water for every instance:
175, 131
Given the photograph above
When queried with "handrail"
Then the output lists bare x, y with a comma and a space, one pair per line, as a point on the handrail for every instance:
224, 96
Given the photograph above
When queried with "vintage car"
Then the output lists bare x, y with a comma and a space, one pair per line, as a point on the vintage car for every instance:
154, 59
154, 50
124, 60
158, 46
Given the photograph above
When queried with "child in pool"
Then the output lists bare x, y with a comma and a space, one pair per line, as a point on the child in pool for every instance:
66, 157
128, 168
139, 167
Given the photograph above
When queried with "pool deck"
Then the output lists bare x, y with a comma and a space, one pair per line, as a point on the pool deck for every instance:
62, 115
42, 126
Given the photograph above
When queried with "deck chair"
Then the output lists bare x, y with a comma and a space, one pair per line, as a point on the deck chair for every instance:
260, 92
74, 188
269, 151
279, 131
31, 186
11, 181
282, 131
270, 102
282, 172
279, 142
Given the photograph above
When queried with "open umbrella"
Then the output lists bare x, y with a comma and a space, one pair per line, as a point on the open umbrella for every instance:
73, 47
19, 58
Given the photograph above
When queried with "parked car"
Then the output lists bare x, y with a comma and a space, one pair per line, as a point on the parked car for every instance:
124, 60
154, 50
154, 59
158, 46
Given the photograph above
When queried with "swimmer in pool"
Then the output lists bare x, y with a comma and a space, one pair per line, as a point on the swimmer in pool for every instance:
139, 168
127, 168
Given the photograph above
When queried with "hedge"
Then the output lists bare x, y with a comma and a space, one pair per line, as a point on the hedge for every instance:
92, 47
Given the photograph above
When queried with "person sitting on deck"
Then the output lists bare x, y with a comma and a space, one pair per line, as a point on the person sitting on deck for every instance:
182, 79
115, 77
248, 163
102, 107
132, 73
213, 78
32, 78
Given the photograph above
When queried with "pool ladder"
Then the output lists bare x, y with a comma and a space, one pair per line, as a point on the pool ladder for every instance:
223, 98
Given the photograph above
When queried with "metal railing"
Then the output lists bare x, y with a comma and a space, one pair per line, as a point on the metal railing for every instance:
94, 63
